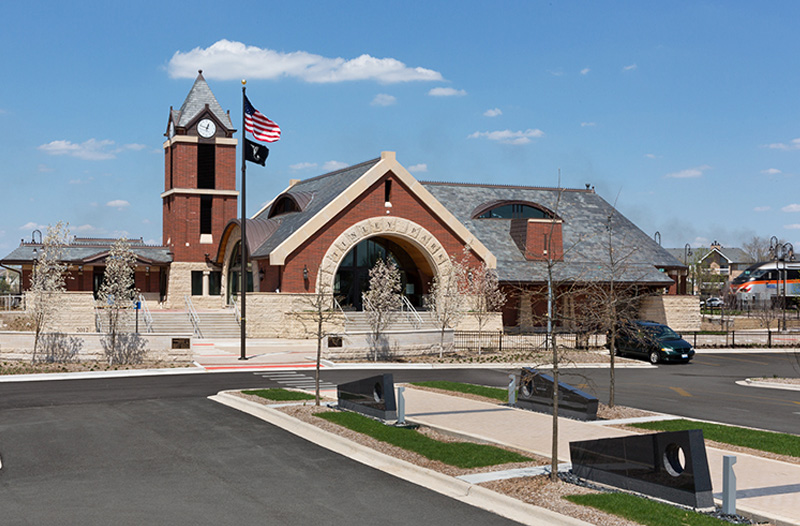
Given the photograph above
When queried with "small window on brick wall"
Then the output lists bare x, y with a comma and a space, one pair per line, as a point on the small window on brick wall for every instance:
197, 283
205, 214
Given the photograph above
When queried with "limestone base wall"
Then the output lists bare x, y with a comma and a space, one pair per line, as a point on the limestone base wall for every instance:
74, 311
360, 346
285, 315
492, 322
681, 313
82, 347
179, 285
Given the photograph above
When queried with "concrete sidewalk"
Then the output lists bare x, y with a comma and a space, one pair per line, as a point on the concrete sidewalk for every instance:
766, 489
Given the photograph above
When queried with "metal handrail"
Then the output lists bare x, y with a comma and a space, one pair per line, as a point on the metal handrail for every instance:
148, 318
236, 311
415, 318
338, 306
193, 317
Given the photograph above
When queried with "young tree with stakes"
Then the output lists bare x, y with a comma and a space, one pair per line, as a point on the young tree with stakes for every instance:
118, 292
484, 292
382, 299
48, 280
445, 298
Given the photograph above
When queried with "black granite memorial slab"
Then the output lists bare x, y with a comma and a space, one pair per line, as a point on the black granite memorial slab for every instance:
373, 396
536, 393
671, 465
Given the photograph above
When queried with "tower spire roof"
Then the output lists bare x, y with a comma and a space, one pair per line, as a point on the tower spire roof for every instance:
199, 96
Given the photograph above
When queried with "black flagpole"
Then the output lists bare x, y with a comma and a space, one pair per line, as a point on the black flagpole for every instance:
243, 244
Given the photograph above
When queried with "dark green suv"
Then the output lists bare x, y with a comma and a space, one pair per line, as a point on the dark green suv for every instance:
653, 340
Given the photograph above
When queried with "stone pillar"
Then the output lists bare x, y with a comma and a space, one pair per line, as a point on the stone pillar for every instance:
206, 274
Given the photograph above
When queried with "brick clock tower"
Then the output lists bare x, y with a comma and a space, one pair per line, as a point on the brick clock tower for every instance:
199, 194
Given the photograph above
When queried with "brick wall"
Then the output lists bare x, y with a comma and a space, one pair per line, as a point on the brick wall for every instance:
533, 238
370, 204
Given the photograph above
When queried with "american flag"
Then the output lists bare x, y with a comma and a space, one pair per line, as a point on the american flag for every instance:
260, 126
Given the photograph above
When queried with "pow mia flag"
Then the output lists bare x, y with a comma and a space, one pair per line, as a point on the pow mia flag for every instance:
255, 153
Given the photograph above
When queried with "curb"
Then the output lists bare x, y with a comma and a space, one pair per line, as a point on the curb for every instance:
465, 492
86, 375
748, 382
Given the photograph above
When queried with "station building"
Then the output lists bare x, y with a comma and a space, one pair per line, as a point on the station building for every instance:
327, 231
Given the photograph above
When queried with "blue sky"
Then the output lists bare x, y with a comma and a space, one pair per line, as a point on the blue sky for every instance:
683, 113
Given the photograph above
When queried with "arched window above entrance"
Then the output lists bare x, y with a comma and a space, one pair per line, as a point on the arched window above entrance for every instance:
511, 210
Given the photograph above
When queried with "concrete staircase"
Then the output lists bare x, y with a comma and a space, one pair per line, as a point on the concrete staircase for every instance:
357, 321
213, 324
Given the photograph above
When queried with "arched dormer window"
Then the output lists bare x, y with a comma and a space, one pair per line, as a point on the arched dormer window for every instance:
511, 210
283, 205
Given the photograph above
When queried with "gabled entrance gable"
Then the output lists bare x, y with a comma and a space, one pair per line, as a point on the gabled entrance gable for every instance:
387, 164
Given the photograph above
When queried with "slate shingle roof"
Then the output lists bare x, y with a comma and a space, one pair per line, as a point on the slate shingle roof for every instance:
585, 216
196, 101
86, 250
311, 194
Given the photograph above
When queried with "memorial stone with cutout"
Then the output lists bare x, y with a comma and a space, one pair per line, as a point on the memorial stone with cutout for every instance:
536, 393
671, 465
373, 396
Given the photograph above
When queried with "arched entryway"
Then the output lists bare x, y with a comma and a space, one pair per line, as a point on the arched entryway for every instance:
352, 276
234, 273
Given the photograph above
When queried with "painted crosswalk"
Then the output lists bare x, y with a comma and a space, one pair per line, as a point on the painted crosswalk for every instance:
294, 379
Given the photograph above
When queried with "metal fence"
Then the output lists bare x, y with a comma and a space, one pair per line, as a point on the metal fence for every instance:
493, 341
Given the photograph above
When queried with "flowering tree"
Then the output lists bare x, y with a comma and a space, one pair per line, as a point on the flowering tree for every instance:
49, 274
117, 293
446, 299
382, 298
485, 294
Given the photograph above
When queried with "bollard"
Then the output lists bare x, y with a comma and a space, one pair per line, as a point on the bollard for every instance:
512, 389
401, 406
728, 485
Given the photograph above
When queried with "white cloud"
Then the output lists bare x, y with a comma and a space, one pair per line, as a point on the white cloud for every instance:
689, 173
794, 144
585, 71
588, 124
43, 168
771, 171
508, 136
119, 204
492, 113
331, 166
83, 228
795, 226
794, 207
762, 208
557, 73
32, 226
91, 150
629, 68
382, 99
651, 156
418, 168
446, 92
227, 60
302, 166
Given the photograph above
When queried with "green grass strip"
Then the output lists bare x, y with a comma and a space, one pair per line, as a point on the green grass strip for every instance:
280, 395
644, 511
459, 454
481, 390
780, 443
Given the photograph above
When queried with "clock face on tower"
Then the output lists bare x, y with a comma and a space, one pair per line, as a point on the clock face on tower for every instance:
206, 128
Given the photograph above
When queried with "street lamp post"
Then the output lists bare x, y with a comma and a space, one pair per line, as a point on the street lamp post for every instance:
687, 251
